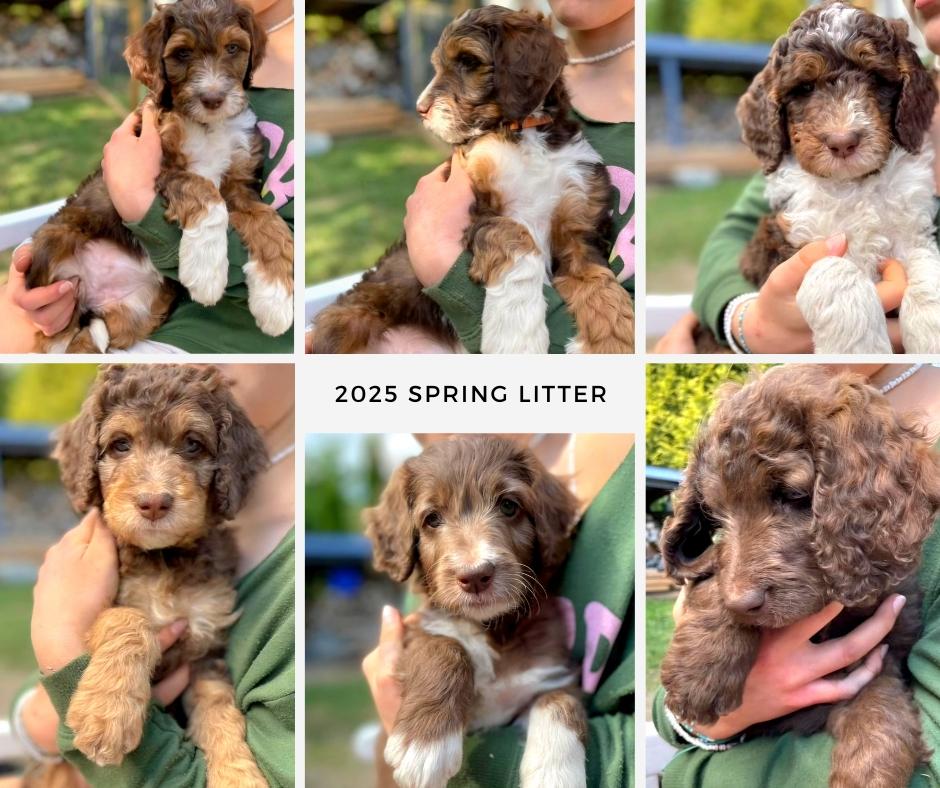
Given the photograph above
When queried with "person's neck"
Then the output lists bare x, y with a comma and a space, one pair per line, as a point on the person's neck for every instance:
916, 395
277, 68
589, 43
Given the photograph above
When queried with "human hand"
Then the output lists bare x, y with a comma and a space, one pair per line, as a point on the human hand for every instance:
679, 338
24, 312
380, 666
78, 580
790, 670
436, 216
41, 720
773, 322
131, 164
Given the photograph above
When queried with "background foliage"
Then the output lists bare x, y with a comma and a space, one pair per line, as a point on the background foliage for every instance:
719, 20
678, 398
336, 491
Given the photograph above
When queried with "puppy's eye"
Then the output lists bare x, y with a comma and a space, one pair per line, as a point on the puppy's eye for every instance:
233, 49
433, 520
508, 507
182, 54
804, 89
469, 62
192, 447
119, 446
794, 499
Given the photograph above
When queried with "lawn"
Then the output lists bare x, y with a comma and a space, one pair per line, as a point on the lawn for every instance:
659, 627
679, 221
16, 652
356, 196
338, 702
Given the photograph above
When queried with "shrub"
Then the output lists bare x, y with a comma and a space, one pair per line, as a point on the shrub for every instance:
750, 21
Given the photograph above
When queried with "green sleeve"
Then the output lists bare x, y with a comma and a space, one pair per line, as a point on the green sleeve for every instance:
719, 277
462, 301
492, 758
165, 756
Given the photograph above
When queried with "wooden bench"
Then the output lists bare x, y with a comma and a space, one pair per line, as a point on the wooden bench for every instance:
342, 116
42, 81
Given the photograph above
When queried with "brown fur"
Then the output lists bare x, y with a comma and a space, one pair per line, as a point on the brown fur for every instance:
440, 511
804, 488
171, 431
495, 67
169, 56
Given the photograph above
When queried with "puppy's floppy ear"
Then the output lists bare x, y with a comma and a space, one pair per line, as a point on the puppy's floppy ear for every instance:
762, 115
686, 538
876, 495
553, 509
529, 59
144, 54
259, 41
914, 110
391, 529
76, 448
241, 454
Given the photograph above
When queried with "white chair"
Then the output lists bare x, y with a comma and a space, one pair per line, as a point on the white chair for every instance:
17, 226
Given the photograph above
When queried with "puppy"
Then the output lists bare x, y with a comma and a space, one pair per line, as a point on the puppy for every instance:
196, 58
483, 529
542, 202
838, 118
804, 488
169, 457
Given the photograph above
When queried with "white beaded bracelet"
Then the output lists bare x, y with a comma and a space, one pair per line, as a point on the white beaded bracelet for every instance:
697, 740
738, 345
22, 735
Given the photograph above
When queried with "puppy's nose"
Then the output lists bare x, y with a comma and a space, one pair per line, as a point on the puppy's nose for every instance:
843, 144
423, 105
155, 506
212, 100
748, 601
477, 579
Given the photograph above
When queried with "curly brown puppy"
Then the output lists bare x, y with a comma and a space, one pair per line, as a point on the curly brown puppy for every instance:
196, 57
804, 488
169, 456
542, 201
483, 529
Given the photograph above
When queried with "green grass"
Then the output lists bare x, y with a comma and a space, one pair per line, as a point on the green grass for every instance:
659, 628
337, 703
679, 220
356, 196
16, 604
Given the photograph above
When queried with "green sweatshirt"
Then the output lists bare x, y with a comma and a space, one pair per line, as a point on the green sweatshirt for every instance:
260, 658
719, 278
597, 588
462, 299
228, 326
791, 760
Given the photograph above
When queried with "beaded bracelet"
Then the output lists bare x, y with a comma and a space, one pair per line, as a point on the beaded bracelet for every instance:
696, 739
737, 344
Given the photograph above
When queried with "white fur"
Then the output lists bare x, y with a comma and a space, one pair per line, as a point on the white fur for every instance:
470, 636
838, 23
554, 756
531, 178
204, 256
428, 764
888, 214
271, 303
210, 148
99, 334
500, 701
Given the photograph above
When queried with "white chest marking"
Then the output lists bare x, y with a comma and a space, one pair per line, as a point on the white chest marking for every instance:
211, 149
884, 215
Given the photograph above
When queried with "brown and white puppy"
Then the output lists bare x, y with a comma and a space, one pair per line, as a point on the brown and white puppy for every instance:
169, 456
482, 529
196, 57
804, 488
838, 119
542, 201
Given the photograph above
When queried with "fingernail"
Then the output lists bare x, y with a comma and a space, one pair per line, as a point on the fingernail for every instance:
66, 287
883, 650
178, 627
899, 602
388, 615
835, 243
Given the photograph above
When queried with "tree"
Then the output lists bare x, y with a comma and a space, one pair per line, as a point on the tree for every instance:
47, 393
722, 21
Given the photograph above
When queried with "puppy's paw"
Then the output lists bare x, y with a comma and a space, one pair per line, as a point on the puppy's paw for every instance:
920, 322
244, 774
270, 299
107, 726
424, 764
553, 757
204, 256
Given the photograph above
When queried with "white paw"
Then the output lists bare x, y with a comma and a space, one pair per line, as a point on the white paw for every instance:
99, 334
204, 256
271, 303
574, 347
554, 755
920, 322
514, 309
428, 764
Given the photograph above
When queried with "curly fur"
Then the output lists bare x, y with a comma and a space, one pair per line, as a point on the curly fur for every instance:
805, 487
466, 507
175, 434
